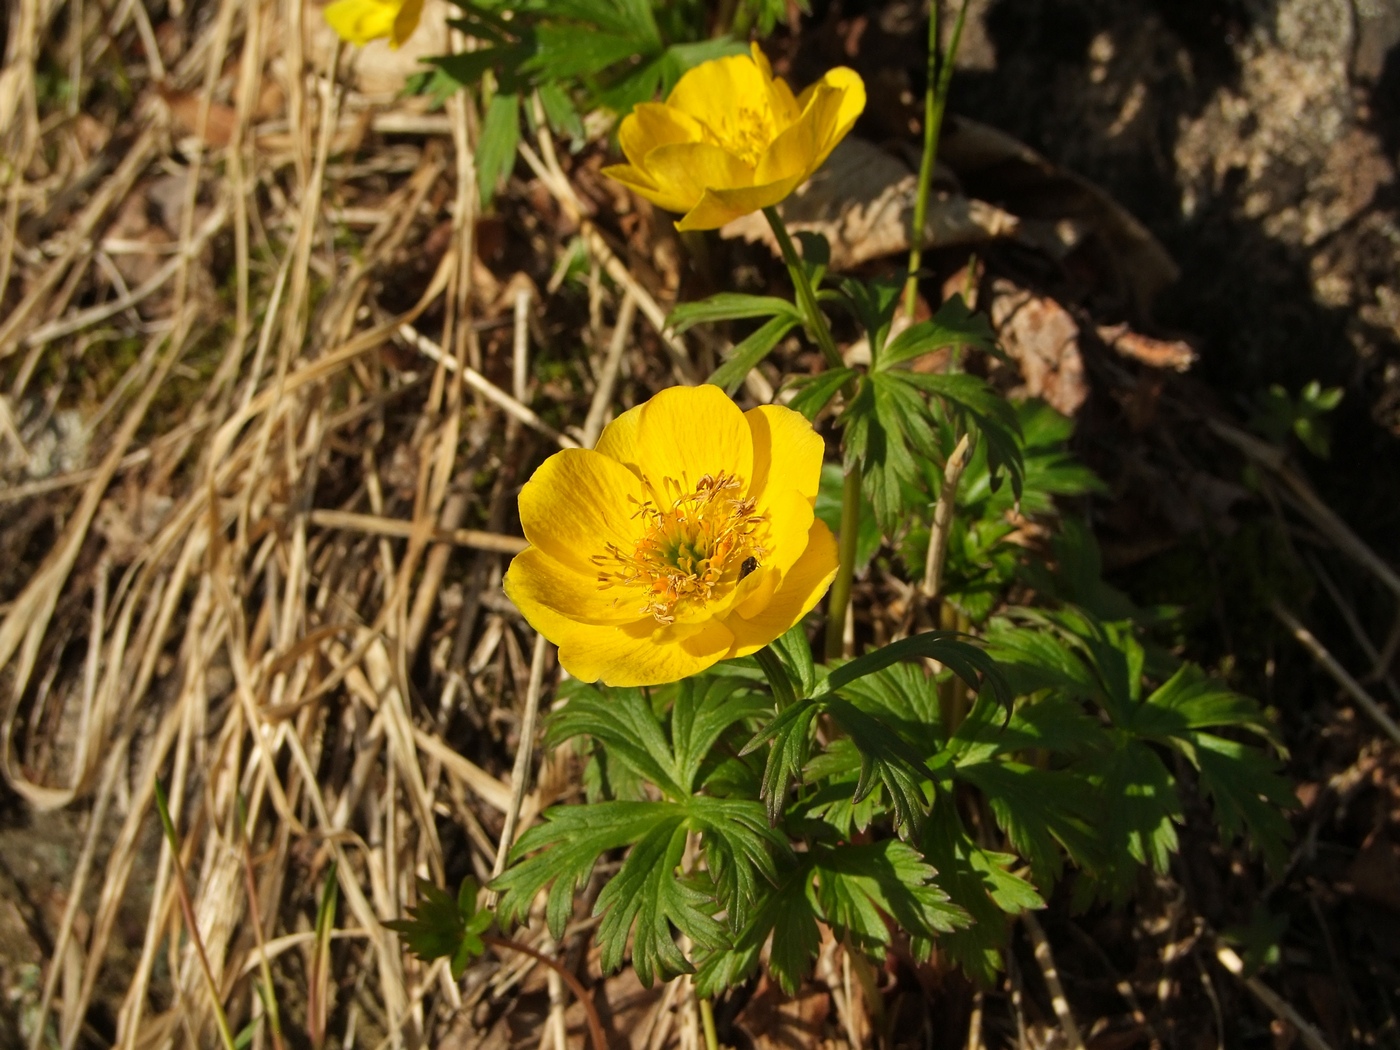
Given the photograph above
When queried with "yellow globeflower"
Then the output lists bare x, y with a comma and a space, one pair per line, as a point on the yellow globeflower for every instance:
360, 21
685, 538
732, 139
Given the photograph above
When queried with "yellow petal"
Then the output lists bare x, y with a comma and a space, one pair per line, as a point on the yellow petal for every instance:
785, 448
619, 438
577, 503
640, 183
685, 433
796, 151
406, 21
719, 206
534, 579
638, 655
713, 91
785, 107
652, 124
360, 21
784, 535
798, 594
851, 91
686, 170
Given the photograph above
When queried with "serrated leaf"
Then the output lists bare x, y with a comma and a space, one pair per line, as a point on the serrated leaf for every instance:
705, 708
1191, 700
889, 433
440, 927
495, 148
746, 355
966, 661
623, 721
1248, 794
857, 885
796, 654
740, 849
559, 853
785, 913
1040, 810
1138, 810
886, 759
788, 734
953, 325
1050, 722
730, 306
645, 898
995, 419
814, 393
873, 303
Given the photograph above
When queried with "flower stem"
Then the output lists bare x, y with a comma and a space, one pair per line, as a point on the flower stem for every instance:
707, 1021
846, 541
940, 75
777, 675
806, 294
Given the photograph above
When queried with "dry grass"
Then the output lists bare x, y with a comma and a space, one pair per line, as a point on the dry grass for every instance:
274, 585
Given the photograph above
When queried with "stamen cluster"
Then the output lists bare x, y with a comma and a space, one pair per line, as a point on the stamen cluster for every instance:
687, 551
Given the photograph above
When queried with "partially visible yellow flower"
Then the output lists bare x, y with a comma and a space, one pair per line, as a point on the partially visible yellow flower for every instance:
685, 538
360, 21
732, 139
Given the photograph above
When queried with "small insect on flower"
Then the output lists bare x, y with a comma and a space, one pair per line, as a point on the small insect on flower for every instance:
685, 538
360, 21
731, 138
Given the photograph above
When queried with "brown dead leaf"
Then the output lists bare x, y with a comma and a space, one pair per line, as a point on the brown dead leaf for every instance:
1175, 354
862, 201
775, 1021
1043, 339
185, 113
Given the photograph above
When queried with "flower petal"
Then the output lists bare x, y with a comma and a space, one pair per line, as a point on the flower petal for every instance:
720, 206
851, 91
685, 433
578, 502
639, 654
795, 597
640, 183
406, 21
780, 97
788, 522
619, 438
535, 580
713, 91
785, 448
653, 124
684, 171
360, 21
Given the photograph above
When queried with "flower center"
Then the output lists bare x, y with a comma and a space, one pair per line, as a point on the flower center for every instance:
747, 133
705, 539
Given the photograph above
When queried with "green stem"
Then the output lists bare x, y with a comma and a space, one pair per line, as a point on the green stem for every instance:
940, 75
806, 294
845, 565
707, 1020
783, 693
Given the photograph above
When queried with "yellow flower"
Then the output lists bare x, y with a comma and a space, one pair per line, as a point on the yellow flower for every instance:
732, 139
685, 538
360, 21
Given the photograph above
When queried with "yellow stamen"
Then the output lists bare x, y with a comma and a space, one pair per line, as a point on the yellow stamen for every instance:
689, 551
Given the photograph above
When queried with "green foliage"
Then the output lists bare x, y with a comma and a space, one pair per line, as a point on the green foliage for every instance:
1277, 415
440, 927
577, 55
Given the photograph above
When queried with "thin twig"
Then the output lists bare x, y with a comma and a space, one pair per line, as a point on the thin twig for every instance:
1279, 1006
1046, 960
520, 774
1337, 671
607, 379
943, 517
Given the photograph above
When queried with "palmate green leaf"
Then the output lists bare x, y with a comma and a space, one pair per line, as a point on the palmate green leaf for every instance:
657, 76
1040, 810
889, 433
1032, 659
966, 661
748, 354
835, 773
632, 18
623, 722
439, 927
887, 760
905, 697
814, 393
796, 654
873, 304
704, 710
1192, 700
559, 853
978, 881
995, 419
646, 898
564, 51
1050, 722
495, 149
787, 914
1249, 794
730, 306
858, 885
953, 325
1137, 813
790, 736
740, 849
